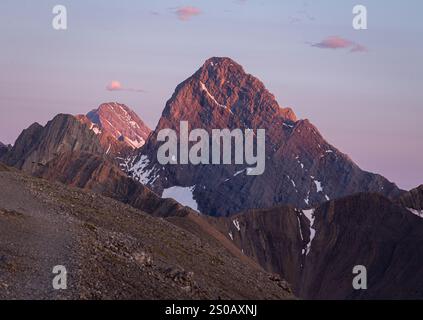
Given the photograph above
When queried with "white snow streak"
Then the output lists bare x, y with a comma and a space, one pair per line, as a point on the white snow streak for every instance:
418, 213
310, 216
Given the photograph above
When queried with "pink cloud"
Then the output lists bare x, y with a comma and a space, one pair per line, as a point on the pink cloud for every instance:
117, 86
114, 86
336, 42
187, 12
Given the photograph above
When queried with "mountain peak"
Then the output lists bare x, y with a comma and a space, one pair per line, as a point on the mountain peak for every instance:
222, 63
116, 122
224, 94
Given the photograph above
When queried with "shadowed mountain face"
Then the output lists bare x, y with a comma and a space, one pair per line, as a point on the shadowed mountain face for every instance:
316, 250
302, 169
4, 149
119, 129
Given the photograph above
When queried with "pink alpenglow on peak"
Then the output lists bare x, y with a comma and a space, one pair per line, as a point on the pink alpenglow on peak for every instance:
118, 127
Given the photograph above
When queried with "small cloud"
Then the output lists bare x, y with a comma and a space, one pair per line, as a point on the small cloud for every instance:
336, 42
114, 86
187, 12
117, 86
358, 48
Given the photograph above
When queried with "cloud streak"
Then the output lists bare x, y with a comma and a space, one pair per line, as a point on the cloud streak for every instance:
187, 12
117, 86
336, 42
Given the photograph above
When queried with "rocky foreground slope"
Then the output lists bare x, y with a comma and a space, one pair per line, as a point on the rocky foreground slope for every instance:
112, 251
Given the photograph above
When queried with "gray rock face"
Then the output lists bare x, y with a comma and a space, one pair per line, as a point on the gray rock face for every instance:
302, 168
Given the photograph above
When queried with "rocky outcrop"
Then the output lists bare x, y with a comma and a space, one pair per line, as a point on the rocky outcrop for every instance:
4, 149
302, 168
38, 145
413, 199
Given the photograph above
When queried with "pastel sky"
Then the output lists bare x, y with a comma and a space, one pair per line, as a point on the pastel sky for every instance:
362, 89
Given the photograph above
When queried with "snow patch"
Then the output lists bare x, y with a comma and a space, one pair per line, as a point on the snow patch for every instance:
300, 163
299, 226
204, 88
140, 172
318, 185
310, 216
231, 236
236, 224
307, 199
239, 172
418, 213
184, 195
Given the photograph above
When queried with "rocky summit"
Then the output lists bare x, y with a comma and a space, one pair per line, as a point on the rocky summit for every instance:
302, 168
119, 128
